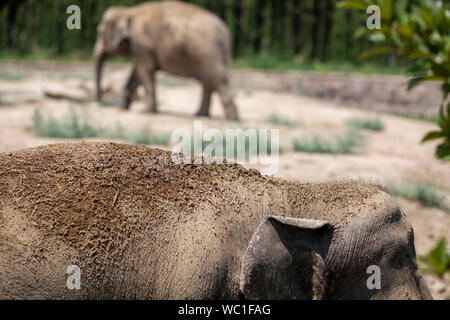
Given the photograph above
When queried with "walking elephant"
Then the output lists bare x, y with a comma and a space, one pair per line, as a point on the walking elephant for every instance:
179, 38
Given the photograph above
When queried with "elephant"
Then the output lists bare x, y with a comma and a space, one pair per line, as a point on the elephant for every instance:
179, 38
140, 226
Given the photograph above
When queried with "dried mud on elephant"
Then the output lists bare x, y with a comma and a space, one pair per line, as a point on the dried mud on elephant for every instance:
140, 226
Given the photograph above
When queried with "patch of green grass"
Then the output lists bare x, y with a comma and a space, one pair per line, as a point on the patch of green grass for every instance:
66, 76
38, 54
71, 127
281, 121
424, 193
13, 76
433, 119
372, 124
41, 54
142, 136
341, 144
259, 61
5, 103
272, 61
146, 136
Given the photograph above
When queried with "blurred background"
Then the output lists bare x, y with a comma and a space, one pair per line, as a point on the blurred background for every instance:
289, 34
297, 66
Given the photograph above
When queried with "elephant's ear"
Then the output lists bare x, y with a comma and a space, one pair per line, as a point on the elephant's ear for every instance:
284, 259
120, 35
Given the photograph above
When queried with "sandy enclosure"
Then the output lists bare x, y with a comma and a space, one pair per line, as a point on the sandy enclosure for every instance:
387, 157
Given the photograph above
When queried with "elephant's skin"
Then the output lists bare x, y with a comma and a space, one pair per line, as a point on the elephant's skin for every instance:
140, 226
173, 36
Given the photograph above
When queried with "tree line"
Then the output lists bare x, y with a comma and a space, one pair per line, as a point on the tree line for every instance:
310, 29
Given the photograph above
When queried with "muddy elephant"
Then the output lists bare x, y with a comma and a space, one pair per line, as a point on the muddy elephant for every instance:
179, 38
140, 226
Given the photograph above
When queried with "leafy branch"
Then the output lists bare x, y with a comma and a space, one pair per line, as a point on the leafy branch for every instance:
437, 260
420, 31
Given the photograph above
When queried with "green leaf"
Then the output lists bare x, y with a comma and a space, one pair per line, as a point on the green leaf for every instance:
437, 257
417, 30
435, 38
363, 31
387, 9
416, 80
400, 7
406, 30
353, 4
377, 37
446, 89
375, 52
413, 55
427, 16
444, 120
443, 150
433, 135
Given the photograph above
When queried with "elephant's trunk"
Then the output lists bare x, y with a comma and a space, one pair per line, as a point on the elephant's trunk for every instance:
99, 60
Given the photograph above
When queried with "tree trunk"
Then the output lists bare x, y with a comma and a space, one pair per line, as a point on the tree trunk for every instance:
317, 15
259, 8
237, 26
329, 20
297, 26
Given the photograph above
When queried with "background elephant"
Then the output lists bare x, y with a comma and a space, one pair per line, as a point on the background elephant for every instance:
140, 226
176, 37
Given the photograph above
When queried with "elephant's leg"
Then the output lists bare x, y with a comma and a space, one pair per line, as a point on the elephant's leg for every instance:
147, 78
229, 106
130, 89
206, 101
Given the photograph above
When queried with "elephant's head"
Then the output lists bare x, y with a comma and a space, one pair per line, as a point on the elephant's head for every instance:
113, 39
290, 258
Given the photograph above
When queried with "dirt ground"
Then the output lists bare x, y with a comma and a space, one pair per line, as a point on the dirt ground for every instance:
387, 157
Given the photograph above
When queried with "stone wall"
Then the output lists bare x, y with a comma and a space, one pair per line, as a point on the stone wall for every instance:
371, 92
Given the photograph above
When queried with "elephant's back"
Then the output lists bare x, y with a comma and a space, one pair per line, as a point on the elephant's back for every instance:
86, 191
193, 28
178, 13
87, 184
93, 204
186, 11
